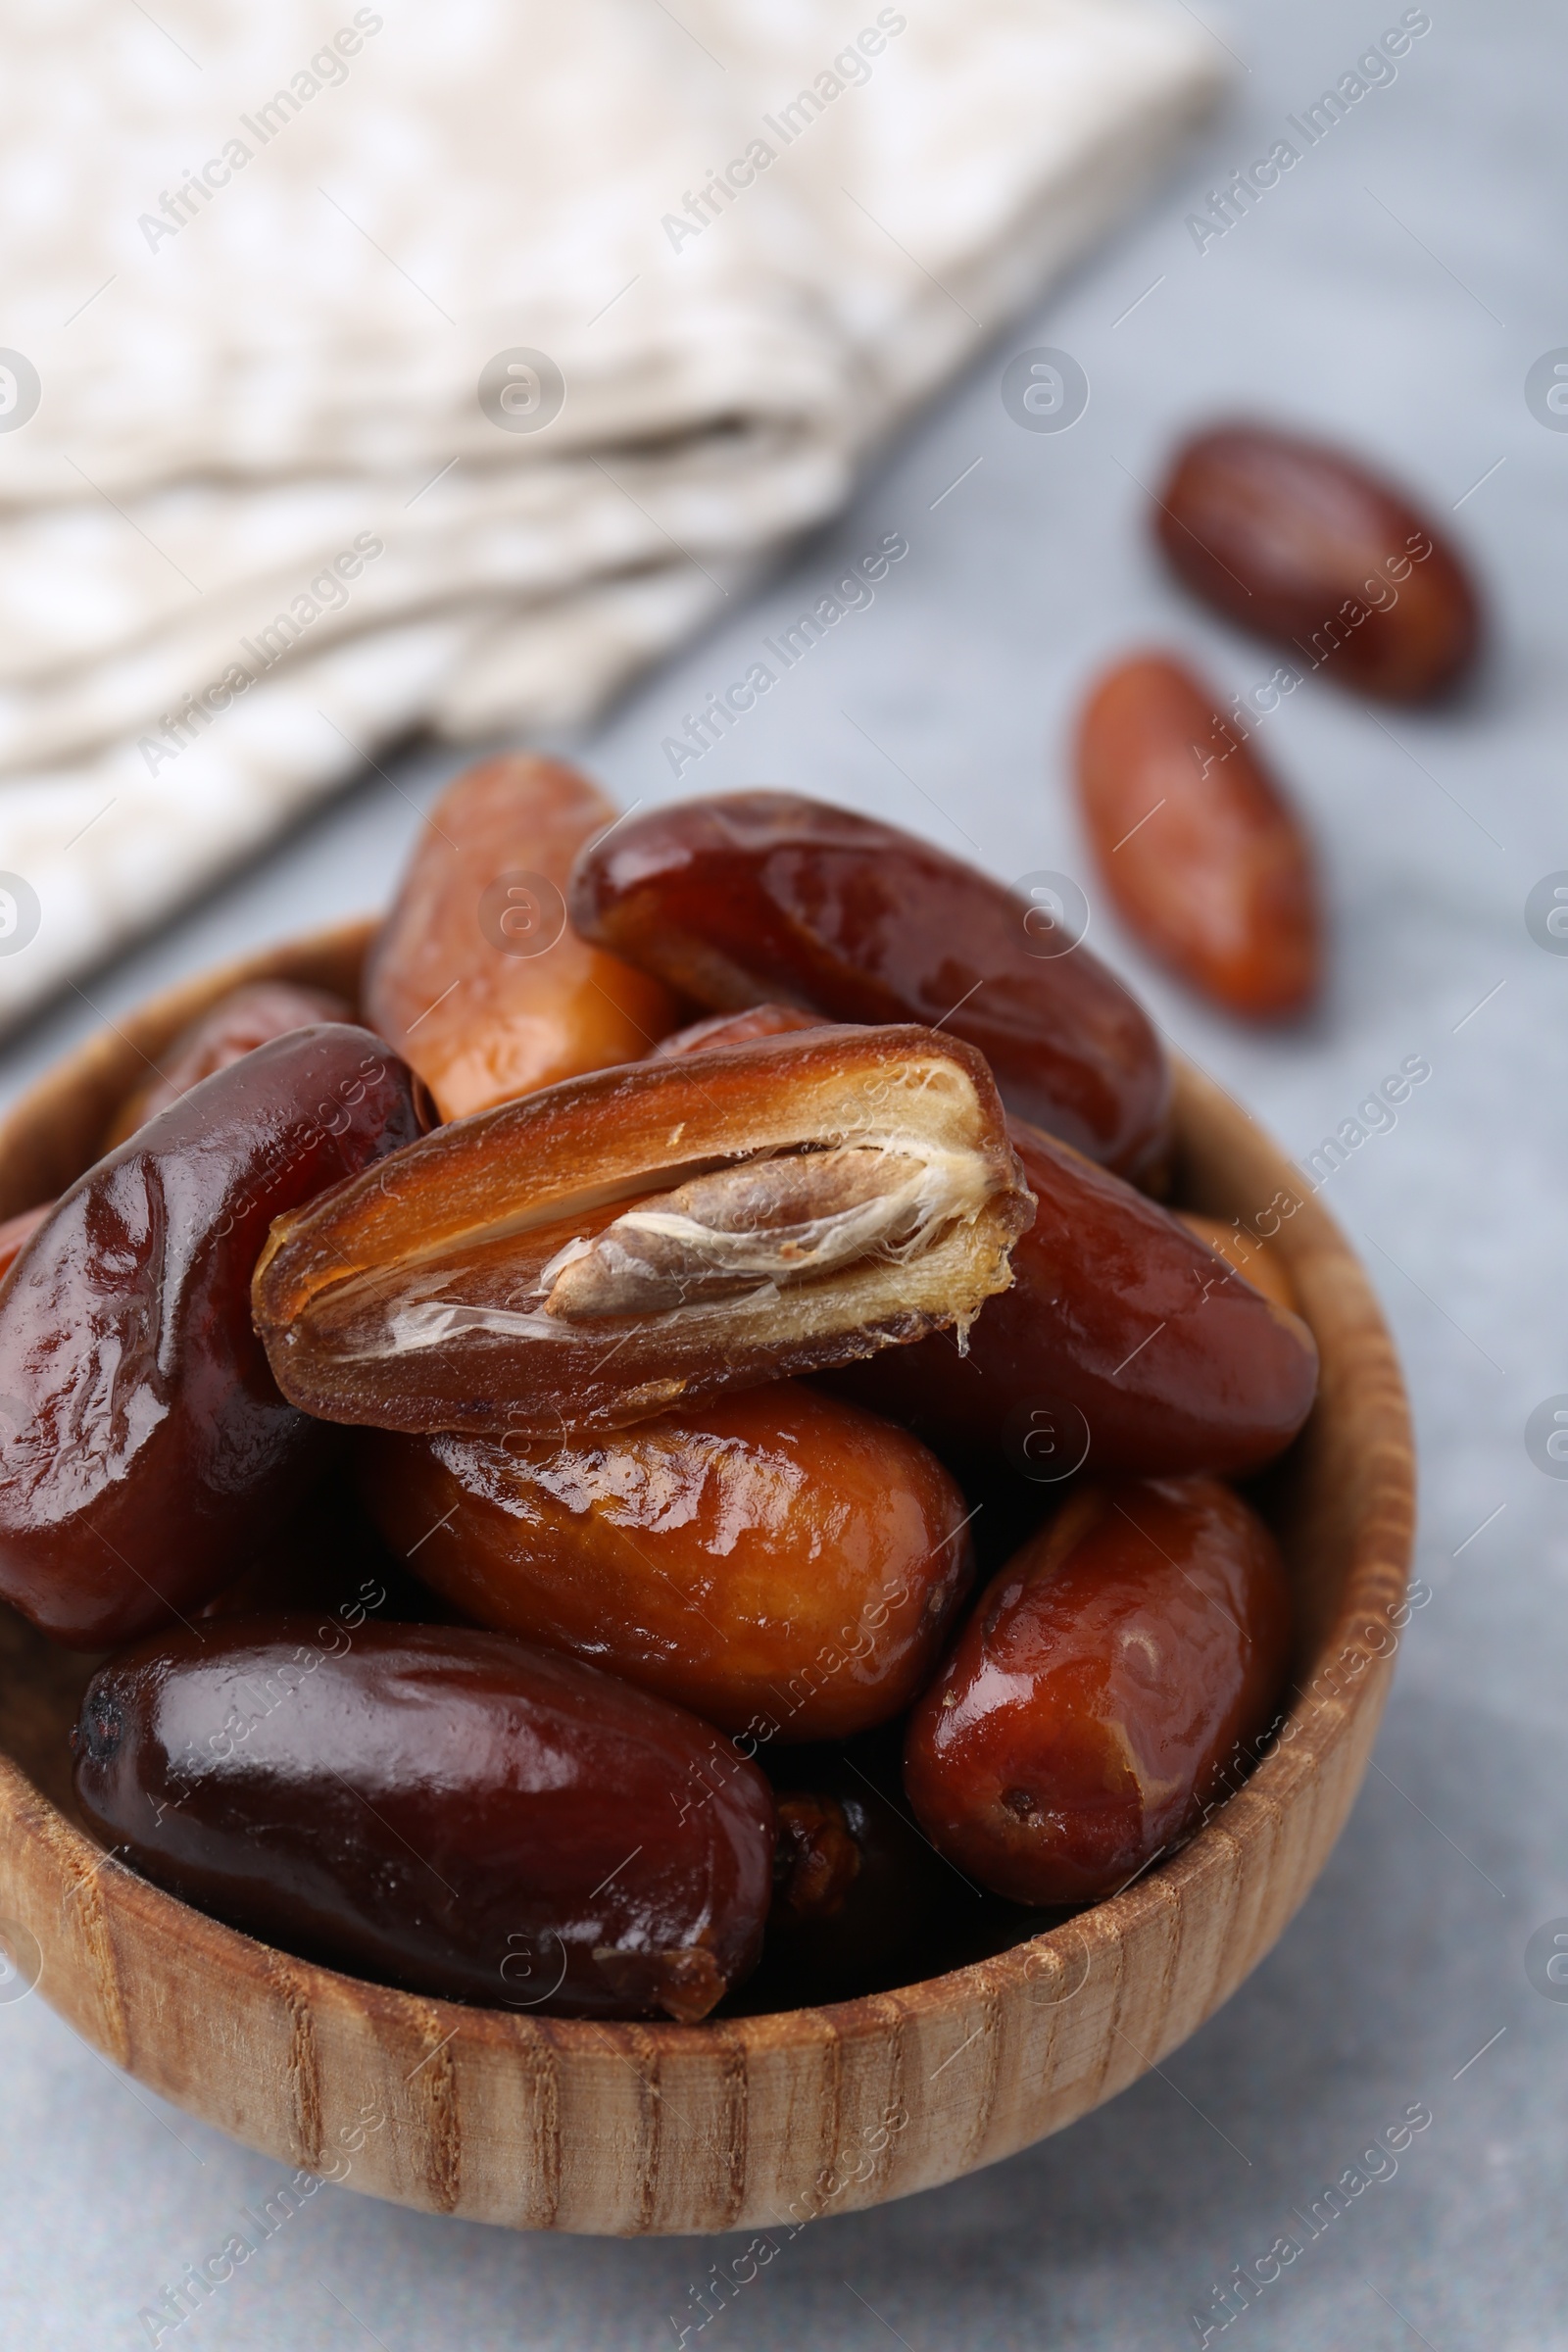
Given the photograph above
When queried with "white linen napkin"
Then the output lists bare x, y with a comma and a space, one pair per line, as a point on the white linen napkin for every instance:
375, 366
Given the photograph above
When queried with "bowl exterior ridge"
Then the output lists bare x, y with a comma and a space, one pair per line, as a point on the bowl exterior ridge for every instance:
760, 2122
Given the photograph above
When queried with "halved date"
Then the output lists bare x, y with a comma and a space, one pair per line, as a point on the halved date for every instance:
1125, 1340
780, 1561
766, 896
644, 1237
1117, 1672
439, 1808
148, 1451
475, 975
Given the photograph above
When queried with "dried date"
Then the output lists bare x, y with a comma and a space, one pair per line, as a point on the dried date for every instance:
1200, 851
861, 1898
767, 897
149, 1450
643, 1238
1109, 1679
475, 976
1306, 546
240, 1022
781, 1562
18, 1231
436, 1807
1124, 1341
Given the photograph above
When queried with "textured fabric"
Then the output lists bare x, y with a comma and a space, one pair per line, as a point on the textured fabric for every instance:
257, 266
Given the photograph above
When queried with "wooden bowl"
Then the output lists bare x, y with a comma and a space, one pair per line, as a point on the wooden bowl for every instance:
553, 2123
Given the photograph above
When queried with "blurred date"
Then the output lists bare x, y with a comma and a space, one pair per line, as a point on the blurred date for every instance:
1203, 856
239, 1022
1306, 546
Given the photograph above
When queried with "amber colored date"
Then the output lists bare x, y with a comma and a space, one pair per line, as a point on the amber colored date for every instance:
781, 1562
1199, 847
1125, 1341
476, 977
765, 896
1305, 545
1121, 1664
436, 1807
247, 1017
148, 1451
641, 1237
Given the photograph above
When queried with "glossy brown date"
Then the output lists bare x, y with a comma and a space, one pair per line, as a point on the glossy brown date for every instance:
1114, 1672
1254, 1261
1204, 858
781, 1562
247, 1017
1125, 1342
643, 1238
765, 896
1302, 544
475, 976
434, 1807
148, 1451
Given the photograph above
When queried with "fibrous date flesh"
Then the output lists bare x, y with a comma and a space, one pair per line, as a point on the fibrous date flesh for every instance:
642, 1238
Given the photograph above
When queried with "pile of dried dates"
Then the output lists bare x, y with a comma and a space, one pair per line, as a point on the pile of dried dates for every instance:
684, 1449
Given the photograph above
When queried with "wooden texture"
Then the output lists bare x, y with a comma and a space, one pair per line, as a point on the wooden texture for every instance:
763, 2122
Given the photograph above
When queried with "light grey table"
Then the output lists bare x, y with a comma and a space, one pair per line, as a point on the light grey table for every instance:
1396, 289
